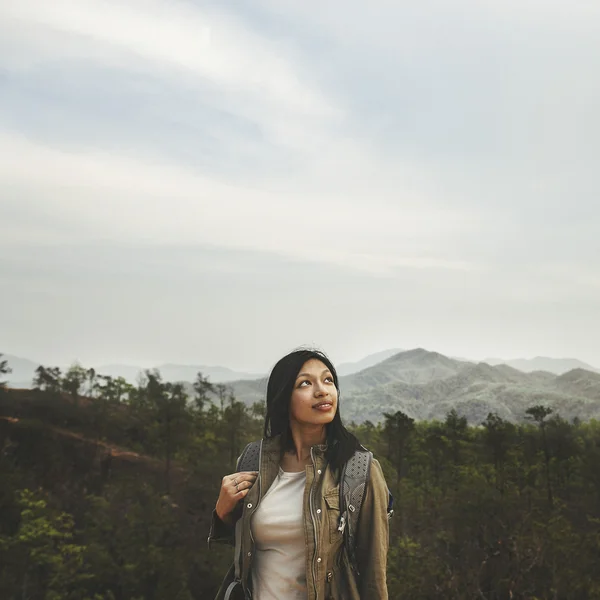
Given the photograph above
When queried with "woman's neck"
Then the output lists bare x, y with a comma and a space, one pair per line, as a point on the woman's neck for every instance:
305, 437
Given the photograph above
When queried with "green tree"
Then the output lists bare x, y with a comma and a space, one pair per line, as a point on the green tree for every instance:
202, 388
113, 390
47, 379
436, 447
258, 410
4, 370
456, 431
45, 560
91, 377
539, 413
168, 405
74, 380
398, 429
565, 451
234, 417
497, 439
221, 390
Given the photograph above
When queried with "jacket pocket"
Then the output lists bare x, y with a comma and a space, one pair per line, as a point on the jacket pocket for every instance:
336, 587
332, 500
329, 589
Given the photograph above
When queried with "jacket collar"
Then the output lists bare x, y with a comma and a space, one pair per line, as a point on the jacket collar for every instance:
272, 446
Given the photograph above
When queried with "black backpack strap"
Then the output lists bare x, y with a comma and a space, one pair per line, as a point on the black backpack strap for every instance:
390, 507
353, 485
250, 458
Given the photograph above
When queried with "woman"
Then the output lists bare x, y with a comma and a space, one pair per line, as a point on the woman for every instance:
287, 529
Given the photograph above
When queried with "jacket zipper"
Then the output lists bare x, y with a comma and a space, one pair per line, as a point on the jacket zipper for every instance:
312, 515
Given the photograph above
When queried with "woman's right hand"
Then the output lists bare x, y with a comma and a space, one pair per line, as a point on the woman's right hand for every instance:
234, 487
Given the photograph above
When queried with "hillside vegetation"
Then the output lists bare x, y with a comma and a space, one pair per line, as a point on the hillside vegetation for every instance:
107, 490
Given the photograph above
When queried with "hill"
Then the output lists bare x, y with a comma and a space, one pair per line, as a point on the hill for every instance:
348, 368
23, 371
426, 385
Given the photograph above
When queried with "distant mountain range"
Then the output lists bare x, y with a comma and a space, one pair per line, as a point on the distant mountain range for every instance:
426, 385
23, 371
173, 372
423, 384
368, 361
543, 363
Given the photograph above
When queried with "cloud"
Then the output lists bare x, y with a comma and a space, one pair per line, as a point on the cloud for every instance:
242, 71
433, 164
116, 198
208, 44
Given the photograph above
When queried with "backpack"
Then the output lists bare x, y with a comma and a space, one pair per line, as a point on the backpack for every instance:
353, 482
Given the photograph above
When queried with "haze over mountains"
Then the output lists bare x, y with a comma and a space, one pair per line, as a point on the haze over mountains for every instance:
423, 384
426, 385
23, 371
543, 363
23, 368
368, 361
174, 372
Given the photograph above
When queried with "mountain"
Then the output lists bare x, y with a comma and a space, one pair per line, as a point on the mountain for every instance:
175, 372
475, 390
348, 368
427, 385
412, 366
581, 383
557, 366
23, 371
421, 383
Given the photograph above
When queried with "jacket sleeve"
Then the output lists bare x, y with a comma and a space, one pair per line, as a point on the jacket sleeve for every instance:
372, 537
220, 532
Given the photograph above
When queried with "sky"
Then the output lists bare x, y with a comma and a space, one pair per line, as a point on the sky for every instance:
219, 183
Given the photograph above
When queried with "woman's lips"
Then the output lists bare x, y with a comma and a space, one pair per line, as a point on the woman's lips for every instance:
326, 406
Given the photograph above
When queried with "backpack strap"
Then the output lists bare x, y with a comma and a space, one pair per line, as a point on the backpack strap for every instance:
353, 484
249, 460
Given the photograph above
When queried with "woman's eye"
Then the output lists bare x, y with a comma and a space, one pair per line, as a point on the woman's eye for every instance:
330, 379
303, 382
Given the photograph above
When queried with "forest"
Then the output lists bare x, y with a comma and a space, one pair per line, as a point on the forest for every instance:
106, 493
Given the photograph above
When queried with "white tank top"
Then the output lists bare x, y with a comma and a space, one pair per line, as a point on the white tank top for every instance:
278, 568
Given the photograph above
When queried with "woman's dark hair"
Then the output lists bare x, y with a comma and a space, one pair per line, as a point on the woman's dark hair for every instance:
341, 444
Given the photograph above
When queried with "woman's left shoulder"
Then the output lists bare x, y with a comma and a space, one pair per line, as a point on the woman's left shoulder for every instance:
376, 475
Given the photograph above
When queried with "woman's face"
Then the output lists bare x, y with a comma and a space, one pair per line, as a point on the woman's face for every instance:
314, 397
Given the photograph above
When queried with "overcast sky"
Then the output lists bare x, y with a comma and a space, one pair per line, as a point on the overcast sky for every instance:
217, 183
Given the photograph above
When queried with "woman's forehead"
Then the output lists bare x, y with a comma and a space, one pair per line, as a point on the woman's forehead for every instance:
313, 366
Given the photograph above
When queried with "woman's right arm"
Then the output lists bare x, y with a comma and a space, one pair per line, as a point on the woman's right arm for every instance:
234, 487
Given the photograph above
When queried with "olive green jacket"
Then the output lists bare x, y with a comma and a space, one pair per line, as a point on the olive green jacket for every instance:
328, 572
